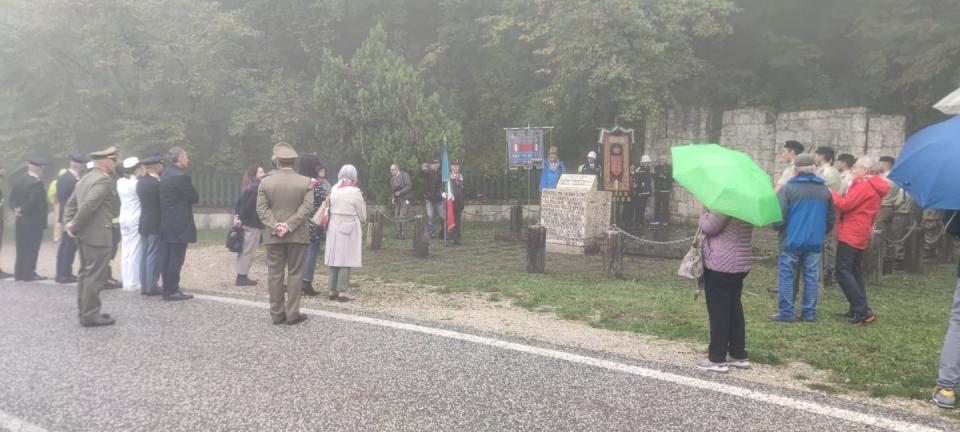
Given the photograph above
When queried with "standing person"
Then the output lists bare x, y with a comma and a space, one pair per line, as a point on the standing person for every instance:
856, 213
945, 394
629, 211
177, 227
727, 259
247, 219
433, 195
55, 206
311, 168
887, 209
791, 149
553, 168
592, 167
88, 218
132, 258
284, 202
831, 177
29, 199
808, 216
402, 189
663, 185
3, 274
456, 186
348, 213
67, 250
641, 189
932, 224
845, 165
148, 192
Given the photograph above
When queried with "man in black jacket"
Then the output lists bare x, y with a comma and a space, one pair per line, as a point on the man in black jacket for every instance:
148, 190
177, 228
663, 186
67, 251
29, 199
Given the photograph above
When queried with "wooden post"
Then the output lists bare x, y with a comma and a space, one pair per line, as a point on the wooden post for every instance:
873, 259
613, 255
421, 238
516, 221
375, 231
947, 249
913, 251
536, 249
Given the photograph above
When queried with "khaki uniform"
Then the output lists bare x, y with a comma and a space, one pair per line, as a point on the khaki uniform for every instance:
831, 177
885, 218
91, 209
285, 197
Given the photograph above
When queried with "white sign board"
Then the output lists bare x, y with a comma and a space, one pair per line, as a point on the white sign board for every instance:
578, 182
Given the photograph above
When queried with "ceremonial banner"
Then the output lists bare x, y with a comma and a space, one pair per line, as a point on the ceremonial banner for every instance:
616, 145
525, 148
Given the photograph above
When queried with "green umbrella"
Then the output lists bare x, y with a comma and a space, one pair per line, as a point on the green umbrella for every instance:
727, 182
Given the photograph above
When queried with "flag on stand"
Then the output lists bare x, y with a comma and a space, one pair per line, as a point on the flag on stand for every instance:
445, 173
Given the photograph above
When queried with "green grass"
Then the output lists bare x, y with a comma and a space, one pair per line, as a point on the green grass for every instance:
898, 355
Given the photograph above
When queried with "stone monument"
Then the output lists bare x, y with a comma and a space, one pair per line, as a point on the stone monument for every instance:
575, 214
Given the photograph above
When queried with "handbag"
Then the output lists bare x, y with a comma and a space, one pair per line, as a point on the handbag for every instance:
691, 267
322, 217
235, 240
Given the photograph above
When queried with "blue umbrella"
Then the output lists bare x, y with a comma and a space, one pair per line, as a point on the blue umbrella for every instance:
929, 166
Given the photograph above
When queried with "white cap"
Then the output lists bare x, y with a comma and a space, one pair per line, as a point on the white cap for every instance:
592, 155
645, 158
130, 162
90, 165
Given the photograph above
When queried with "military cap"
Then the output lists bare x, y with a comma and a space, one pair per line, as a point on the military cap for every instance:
152, 160
131, 162
283, 150
103, 154
80, 159
40, 162
804, 160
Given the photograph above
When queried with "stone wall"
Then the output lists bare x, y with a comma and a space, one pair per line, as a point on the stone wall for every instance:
761, 135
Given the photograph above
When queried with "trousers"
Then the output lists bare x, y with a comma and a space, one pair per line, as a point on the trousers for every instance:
251, 239
339, 280
723, 293
92, 278
310, 262
285, 259
29, 238
151, 263
949, 375
66, 255
850, 277
174, 256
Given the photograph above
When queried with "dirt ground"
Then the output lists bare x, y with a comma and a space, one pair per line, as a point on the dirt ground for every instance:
210, 269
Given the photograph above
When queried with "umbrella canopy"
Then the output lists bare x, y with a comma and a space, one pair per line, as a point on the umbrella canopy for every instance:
950, 105
929, 164
727, 182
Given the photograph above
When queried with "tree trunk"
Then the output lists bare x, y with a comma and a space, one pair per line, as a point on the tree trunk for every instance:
375, 231
536, 249
516, 221
613, 255
421, 238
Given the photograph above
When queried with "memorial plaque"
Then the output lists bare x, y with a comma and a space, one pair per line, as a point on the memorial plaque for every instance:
578, 182
574, 218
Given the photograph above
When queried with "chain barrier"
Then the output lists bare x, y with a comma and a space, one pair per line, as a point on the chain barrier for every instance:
642, 240
904, 239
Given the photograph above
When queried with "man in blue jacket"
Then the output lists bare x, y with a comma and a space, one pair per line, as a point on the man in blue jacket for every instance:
808, 215
553, 168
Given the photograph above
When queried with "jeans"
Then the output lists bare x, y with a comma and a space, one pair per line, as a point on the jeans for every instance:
66, 254
850, 277
950, 356
310, 262
810, 267
435, 210
150, 264
727, 325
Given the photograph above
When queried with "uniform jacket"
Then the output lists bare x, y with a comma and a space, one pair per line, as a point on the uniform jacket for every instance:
456, 186
177, 197
285, 197
831, 177
148, 190
348, 213
30, 195
129, 204
401, 183
91, 209
857, 210
663, 178
728, 246
643, 179
66, 183
549, 177
808, 214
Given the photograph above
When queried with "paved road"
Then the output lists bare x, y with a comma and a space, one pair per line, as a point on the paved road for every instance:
217, 364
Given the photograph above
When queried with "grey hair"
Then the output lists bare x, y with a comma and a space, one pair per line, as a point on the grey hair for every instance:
870, 163
348, 172
176, 153
807, 169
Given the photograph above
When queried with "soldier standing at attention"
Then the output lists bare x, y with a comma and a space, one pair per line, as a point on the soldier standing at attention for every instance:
89, 219
29, 199
284, 204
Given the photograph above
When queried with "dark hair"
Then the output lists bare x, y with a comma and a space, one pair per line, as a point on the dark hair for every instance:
847, 158
794, 145
888, 159
309, 165
827, 153
250, 176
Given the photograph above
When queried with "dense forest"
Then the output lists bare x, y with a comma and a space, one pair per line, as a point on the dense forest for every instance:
370, 81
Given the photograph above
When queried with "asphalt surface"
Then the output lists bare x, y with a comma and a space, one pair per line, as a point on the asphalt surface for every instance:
210, 365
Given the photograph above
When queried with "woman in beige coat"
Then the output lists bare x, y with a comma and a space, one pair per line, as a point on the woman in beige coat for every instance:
348, 213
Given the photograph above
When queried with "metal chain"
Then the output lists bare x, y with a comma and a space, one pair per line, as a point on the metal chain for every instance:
653, 242
904, 239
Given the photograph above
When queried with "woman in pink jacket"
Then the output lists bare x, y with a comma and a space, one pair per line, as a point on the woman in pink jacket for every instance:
727, 259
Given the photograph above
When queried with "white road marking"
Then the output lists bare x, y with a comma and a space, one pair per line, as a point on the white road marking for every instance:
13, 424
790, 403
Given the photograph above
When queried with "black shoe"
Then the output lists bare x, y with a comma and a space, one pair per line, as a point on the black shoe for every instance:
860, 320
308, 289
105, 316
34, 278
177, 296
5, 275
243, 280
112, 284
99, 321
297, 320
66, 279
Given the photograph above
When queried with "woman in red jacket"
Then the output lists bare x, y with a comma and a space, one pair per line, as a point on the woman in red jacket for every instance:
856, 213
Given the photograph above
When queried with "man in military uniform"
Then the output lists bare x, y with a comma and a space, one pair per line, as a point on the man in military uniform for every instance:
88, 218
3, 274
67, 250
284, 204
663, 186
29, 199
888, 208
148, 190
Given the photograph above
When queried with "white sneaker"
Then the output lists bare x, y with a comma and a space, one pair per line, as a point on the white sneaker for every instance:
737, 363
710, 366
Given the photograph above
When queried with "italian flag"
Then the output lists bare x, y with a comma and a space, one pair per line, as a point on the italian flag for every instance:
445, 173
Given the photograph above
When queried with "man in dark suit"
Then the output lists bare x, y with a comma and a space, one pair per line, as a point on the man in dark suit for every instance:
148, 190
68, 245
3, 274
177, 228
29, 199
